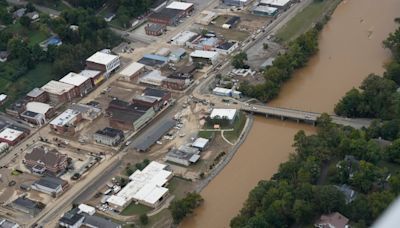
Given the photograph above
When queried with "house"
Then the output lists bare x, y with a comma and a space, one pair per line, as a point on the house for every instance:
109, 136
66, 122
53, 186
104, 62
109, 17
348, 192
72, 219
183, 37
59, 92
155, 29
33, 15
53, 40
96, 77
38, 95
200, 143
11, 136
222, 113
153, 60
4, 56
51, 160
146, 187
153, 78
239, 3
227, 48
164, 95
183, 155
231, 22
168, 17
265, 11
334, 220
177, 55
27, 206
132, 71
83, 85
206, 57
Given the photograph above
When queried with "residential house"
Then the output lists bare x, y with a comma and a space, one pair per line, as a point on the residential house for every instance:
334, 220
27, 206
53, 186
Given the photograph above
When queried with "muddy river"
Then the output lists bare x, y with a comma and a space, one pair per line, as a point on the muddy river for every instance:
350, 49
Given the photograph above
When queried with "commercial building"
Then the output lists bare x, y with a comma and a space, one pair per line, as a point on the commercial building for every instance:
222, 113
83, 85
59, 92
11, 136
33, 117
153, 60
42, 112
239, 3
155, 29
163, 95
265, 11
88, 112
206, 57
219, 91
175, 84
280, 4
53, 186
153, 78
38, 95
132, 71
164, 51
109, 136
103, 61
200, 143
168, 17
177, 55
185, 8
42, 160
145, 187
66, 122
151, 102
96, 77
206, 17
4, 223
16, 108
227, 48
183, 155
182, 38
27, 206
145, 141
204, 43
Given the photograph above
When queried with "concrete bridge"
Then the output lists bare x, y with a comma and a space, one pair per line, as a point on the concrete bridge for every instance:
302, 116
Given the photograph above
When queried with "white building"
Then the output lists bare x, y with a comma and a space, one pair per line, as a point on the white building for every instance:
83, 85
200, 143
219, 91
182, 38
183, 6
11, 136
184, 155
132, 71
87, 209
104, 62
276, 3
223, 113
204, 56
145, 187
152, 78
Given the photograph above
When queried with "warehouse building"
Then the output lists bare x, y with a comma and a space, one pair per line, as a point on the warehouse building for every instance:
280, 4
201, 143
206, 57
182, 38
265, 11
83, 85
177, 55
104, 62
153, 60
60, 92
109, 136
145, 141
222, 113
227, 48
184, 155
145, 187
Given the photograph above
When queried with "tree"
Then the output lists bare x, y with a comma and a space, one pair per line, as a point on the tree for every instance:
349, 105
238, 61
25, 21
393, 152
144, 219
265, 46
181, 208
303, 211
365, 177
328, 199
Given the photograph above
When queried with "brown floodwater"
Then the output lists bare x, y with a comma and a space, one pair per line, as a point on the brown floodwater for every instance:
350, 48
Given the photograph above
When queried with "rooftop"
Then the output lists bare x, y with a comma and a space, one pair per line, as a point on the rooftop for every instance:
226, 45
275, 2
74, 79
90, 73
131, 69
35, 92
332, 220
145, 141
50, 158
50, 182
180, 5
183, 36
38, 107
155, 92
102, 58
200, 142
10, 134
166, 14
110, 132
99, 222
71, 217
154, 27
56, 87
265, 9
204, 54
65, 117
223, 113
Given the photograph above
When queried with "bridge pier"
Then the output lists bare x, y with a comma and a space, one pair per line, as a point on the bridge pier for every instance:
282, 118
266, 116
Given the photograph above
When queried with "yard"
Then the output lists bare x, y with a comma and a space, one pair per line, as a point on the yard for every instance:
135, 209
306, 19
238, 126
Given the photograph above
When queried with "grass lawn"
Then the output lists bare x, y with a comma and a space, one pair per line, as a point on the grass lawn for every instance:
206, 134
135, 209
56, 5
229, 34
305, 19
179, 187
33, 35
238, 126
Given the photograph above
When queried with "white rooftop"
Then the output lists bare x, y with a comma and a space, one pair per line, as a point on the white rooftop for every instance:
153, 78
183, 37
145, 185
3, 97
64, 118
10, 134
200, 142
74, 79
266, 9
38, 107
90, 73
204, 54
131, 69
102, 58
275, 2
222, 90
56, 87
223, 113
180, 5
87, 209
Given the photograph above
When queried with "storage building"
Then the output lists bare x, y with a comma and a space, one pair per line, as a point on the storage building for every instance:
183, 155
153, 60
181, 38
177, 54
222, 92
222, 113
207, 57
200, 143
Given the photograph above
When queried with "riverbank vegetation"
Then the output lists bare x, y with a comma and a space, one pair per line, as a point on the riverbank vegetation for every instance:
183, 207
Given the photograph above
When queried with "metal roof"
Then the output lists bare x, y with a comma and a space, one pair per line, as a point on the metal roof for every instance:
147, 139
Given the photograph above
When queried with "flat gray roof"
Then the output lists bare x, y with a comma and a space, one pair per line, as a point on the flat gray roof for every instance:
147, 139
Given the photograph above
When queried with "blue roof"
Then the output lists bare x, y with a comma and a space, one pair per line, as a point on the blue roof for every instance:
156, 57
53, 40
178, 52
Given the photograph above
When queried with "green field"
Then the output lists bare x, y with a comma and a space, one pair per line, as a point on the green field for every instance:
206, 134
238, 126
135, 209
306, 19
